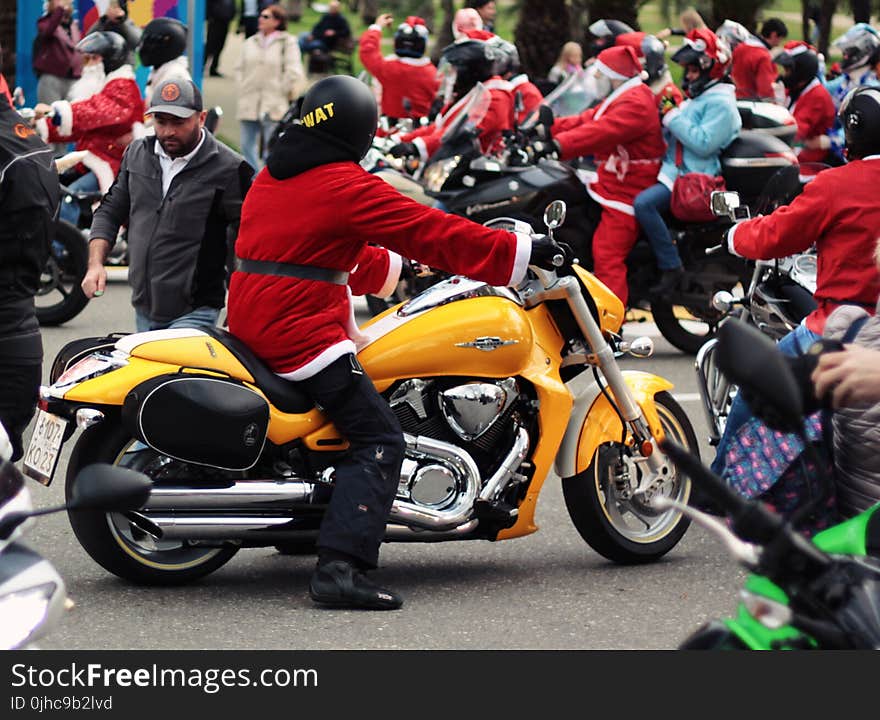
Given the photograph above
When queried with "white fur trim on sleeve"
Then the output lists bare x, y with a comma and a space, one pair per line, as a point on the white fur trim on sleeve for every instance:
521, 259
102, 169
42, 128
395, 263
423, 149
66, 112
731, 248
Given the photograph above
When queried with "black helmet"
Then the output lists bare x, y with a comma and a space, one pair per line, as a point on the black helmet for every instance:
343, 110
163, 40
860, 46
473, 61
802, 64
604, 33
655, 57
860, 116
411, 38
109, 45
708, 52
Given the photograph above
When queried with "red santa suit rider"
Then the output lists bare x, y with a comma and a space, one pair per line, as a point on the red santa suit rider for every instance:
467, 67
101, 125
753, 71
289, 300
808, 100
407, 75
624, 134
507, 66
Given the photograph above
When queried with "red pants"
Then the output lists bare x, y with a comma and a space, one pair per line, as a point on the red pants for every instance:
614, 238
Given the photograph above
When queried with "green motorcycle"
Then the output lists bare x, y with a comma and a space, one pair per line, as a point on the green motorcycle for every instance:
819, 593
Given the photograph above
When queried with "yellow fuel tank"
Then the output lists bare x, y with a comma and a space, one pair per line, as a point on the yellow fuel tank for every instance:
479, 336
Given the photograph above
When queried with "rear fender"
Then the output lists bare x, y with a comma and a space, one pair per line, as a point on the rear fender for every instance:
593, 420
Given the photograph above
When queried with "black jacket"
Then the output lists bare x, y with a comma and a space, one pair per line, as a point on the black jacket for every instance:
179, 245
29, 196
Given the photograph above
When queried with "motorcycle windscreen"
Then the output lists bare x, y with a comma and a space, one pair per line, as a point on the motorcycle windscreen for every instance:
475, 105
574, 95
203, 420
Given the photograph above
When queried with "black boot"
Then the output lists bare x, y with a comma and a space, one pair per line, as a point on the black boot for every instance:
340, 584
669, 281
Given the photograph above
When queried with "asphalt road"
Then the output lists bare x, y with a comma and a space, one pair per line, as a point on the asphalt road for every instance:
545, 591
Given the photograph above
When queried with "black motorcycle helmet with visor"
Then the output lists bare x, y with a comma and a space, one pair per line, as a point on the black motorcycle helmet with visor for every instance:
162, 40
709, 54
109, 45
654, 52
860, 116
464, 64
343, 110
800, 66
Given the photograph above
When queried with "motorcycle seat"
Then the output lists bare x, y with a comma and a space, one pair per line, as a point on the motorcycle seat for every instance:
286, 395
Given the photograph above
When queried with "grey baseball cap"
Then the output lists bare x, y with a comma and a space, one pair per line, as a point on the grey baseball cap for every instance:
178, 97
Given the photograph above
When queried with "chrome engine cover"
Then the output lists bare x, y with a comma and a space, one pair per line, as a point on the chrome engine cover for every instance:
471, 409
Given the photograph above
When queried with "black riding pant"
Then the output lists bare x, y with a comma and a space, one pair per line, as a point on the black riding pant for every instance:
21, 369
368, 475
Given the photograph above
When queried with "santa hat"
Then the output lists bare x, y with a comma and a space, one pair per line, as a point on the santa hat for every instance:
619, 62
415, 24
796, 47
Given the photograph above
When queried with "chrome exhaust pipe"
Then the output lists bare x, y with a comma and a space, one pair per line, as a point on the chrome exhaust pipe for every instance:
243, 494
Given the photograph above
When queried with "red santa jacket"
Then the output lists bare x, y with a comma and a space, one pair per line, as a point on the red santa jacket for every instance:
814, 113
839, 213
101, 124
625, 136
299, 326
499, 117
753, 70
400, 77
528, 92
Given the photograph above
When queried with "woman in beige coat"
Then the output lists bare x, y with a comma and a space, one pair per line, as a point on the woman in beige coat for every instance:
269, 75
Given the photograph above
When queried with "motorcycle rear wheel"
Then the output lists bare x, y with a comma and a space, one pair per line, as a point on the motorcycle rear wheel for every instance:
114, 542
679, 335
627, 531
60, 297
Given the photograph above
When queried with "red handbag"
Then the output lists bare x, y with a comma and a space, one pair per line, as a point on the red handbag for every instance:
692, 193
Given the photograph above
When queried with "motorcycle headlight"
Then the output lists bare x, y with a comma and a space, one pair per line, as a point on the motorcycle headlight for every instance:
23, 612
438, 173
770, 613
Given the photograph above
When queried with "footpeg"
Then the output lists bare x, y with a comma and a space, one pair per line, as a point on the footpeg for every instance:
496, 513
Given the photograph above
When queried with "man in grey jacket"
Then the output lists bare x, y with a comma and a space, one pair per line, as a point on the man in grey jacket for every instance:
180, 194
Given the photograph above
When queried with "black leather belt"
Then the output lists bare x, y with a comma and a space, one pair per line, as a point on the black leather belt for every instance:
302, 272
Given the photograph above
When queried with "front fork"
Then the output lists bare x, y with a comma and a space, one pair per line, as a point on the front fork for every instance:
602, 357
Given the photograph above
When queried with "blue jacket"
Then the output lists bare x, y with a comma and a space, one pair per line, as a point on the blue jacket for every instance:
704, 126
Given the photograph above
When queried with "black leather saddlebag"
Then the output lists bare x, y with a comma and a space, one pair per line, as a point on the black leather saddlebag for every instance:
199, 419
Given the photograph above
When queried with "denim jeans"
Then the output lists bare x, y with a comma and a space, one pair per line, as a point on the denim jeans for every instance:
795, 343
306, 45
250, 140
649, 206
69, 209
198, 318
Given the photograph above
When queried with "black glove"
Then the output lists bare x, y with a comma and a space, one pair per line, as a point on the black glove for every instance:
543, 148
404, 149
546, 253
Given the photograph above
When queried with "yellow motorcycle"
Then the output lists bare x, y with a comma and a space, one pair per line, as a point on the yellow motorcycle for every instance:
492, 386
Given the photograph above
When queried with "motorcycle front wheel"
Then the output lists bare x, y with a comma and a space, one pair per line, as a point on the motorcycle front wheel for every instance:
60, 297
622, 528
115, 542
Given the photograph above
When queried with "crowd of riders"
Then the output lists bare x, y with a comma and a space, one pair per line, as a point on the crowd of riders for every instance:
643, 132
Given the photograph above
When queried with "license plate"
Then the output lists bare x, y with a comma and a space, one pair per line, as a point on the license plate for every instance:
45, 447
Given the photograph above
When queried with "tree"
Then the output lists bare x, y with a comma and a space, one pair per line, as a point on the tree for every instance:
542, 29
743, 11
443, 34
624, 10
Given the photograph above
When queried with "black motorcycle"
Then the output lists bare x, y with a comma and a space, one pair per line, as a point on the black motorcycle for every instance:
460, 179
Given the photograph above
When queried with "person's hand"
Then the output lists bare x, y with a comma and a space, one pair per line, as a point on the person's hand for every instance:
542, 149
115, 13
42, 110
547, 253
668, 102
404, 149
663, 34
385, 20
329, 32
851, 377
94, 281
